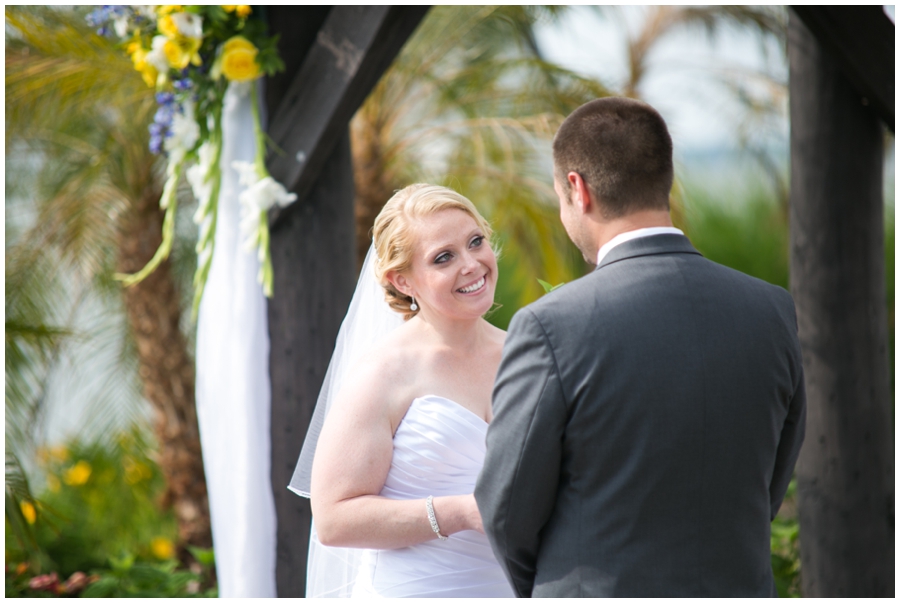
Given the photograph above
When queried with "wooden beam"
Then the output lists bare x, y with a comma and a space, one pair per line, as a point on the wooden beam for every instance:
861, 40
353, 48
845, 474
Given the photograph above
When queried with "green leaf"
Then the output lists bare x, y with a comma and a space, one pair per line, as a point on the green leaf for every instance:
548, 287
104, 587
205, 557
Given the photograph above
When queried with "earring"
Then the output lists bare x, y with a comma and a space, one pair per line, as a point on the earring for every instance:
413, 305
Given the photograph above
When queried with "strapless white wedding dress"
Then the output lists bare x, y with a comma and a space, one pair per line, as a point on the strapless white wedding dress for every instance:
438, 450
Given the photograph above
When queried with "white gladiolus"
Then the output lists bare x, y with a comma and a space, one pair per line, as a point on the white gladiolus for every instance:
189, 25
247, 174
260, 195
184, 133
198, 177
267, 193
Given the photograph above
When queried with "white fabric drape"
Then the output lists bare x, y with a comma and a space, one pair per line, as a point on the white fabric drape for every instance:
233, 389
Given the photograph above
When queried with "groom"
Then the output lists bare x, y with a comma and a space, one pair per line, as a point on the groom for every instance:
647, 417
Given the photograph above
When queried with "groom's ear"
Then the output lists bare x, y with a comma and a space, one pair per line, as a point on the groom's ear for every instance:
581, 193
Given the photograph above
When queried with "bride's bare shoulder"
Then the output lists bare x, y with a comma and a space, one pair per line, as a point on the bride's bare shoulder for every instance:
385, 374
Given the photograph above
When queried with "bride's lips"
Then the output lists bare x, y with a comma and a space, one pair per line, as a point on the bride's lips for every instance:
474, 286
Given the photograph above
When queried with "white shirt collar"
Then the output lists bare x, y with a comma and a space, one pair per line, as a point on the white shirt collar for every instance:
634, 234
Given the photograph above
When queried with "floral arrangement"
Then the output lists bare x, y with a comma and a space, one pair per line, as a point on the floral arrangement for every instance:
191, 55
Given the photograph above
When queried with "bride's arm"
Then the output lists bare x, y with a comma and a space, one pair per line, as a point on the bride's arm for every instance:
353, 457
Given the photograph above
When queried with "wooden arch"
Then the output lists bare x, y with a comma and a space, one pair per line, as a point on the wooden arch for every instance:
841, 88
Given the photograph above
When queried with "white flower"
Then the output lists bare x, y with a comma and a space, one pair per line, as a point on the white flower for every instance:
189, 25
184, 133
198, 177
247, 174
146, 10
121, 26
259, 197
267, 193
157, 54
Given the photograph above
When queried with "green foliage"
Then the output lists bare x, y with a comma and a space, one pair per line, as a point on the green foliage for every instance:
99, 513
749, 234
98, 502
785, 539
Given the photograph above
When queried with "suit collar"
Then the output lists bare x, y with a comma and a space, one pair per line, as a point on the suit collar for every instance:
652, 245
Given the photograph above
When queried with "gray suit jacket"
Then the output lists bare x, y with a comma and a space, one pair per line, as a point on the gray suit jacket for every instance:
647, 419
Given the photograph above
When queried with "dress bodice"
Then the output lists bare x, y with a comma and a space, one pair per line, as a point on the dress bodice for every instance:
439, 450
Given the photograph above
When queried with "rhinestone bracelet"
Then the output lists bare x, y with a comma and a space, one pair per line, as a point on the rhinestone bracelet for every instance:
434, 526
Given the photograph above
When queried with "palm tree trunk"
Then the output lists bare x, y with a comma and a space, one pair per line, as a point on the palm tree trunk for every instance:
370, 176
166, 370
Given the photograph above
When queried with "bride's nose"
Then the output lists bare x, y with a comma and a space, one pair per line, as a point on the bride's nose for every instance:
470, 263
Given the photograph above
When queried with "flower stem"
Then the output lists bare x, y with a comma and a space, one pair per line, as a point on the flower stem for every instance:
260, 161
169, 201
208, 239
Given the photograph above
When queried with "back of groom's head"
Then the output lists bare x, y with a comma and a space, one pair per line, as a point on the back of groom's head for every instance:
622, 149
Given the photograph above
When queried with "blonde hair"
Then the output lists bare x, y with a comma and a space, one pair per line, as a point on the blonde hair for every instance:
394, 237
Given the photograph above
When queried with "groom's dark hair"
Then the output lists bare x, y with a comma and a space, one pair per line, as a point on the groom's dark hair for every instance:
622, 149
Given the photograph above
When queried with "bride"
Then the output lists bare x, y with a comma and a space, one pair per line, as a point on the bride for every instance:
408, 402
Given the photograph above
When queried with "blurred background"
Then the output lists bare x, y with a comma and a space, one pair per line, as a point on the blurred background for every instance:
472, 102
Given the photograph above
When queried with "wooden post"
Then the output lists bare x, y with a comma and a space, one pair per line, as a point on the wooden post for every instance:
314, 258
846, 469
333, 57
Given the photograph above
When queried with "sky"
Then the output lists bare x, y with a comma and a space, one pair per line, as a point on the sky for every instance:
681, 80
684, 83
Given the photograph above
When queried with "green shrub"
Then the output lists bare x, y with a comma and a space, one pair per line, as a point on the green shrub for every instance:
99, 514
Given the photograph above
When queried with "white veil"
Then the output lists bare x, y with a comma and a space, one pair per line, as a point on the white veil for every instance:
331, 571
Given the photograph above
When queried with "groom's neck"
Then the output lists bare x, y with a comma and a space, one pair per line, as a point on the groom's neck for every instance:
604, 230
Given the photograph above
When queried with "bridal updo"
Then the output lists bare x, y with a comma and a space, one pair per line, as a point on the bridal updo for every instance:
394, 234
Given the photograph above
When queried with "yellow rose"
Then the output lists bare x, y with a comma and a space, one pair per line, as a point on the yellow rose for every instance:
162, 548
28, 511
242, 10
167, 9
78, 475
239, 60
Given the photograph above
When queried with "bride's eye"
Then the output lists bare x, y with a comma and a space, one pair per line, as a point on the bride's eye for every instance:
477, 241
441, 259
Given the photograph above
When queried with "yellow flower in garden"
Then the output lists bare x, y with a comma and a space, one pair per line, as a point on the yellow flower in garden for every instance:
135, 471
239, 60
78, 475
242, 10
162, 548
59, 453
53, 483
28, 511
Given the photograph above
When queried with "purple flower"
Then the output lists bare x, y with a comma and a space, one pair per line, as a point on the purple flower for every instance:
156, 144
165, 98
185, 84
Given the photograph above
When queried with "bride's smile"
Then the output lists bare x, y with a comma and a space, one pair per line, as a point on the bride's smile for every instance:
476, 286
